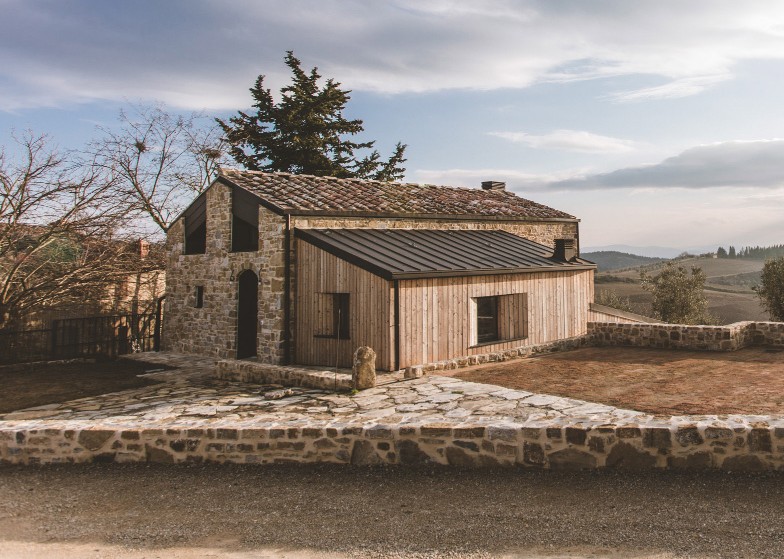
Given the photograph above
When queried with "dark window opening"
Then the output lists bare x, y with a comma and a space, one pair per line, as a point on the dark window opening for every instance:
333, 316
196, 227
199, 297
244, 236
244, 221
486, 319
501, 318
196, 242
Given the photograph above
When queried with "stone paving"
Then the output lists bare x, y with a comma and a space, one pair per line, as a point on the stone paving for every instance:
194, 416
192, 395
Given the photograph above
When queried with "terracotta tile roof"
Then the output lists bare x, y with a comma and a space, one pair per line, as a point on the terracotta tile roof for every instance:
307, 194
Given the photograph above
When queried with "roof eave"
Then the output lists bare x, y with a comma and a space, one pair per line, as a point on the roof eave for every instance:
463, 217
491, 272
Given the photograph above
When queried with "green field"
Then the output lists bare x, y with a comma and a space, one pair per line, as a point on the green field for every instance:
728, 287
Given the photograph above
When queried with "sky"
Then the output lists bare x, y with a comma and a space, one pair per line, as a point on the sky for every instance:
656, 122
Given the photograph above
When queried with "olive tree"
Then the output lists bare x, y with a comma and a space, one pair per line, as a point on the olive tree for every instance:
678, 295
771, 289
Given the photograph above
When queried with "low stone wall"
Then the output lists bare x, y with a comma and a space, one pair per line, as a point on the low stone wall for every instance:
730, 337
603, 313
675, 445
262, 373
515, 353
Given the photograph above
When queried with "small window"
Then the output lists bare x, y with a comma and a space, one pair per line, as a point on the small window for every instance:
333, 316
501, 318
198, 297
244, 221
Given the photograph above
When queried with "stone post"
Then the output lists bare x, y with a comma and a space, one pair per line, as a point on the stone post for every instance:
363, 374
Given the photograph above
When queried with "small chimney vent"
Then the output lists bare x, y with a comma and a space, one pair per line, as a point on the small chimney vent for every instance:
493, 185
565, 250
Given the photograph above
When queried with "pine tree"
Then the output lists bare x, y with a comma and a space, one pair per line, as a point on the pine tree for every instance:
305, 132
732, 252
721, 253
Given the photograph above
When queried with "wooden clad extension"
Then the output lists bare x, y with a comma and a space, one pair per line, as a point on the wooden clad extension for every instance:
370, 303
437, 315
436, 321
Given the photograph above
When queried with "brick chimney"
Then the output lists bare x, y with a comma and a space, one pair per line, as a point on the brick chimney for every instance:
565, 250
493, 185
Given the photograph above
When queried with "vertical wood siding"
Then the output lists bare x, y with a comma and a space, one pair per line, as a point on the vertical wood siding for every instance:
371, 301
437, 319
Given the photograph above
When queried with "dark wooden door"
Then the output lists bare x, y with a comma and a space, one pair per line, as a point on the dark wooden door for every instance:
247, 314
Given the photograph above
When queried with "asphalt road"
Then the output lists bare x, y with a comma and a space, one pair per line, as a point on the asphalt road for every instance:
138, 511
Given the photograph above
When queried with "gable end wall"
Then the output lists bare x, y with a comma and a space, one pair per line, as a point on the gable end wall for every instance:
212, 330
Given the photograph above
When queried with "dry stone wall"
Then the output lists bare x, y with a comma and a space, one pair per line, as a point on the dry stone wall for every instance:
730, 337
675, 445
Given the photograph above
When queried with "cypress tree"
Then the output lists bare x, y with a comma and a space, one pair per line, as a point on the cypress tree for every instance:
306, 132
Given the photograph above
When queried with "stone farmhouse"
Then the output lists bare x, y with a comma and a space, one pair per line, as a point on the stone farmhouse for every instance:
297, 269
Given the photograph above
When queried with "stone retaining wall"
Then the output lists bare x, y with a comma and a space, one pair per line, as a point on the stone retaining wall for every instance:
674, 445
730, 337
262, 373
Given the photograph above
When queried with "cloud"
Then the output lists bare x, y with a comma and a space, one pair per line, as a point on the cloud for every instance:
203, 54
569, 140
516, 181
728, 164
671, 90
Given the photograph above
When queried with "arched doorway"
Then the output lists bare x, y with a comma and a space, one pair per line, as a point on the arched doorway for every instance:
247, 314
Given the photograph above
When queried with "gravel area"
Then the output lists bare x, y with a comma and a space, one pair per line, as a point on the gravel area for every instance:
657, 381
137, 510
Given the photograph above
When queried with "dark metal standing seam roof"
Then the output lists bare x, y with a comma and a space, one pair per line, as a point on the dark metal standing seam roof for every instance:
427, 253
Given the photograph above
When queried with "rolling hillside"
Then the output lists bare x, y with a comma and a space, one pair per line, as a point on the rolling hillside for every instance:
607, 260
728, 286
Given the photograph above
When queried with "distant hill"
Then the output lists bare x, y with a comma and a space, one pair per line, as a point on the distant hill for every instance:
607, 260
653, 251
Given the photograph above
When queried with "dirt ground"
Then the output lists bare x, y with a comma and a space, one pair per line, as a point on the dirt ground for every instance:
134, 511
26, 386
749, 381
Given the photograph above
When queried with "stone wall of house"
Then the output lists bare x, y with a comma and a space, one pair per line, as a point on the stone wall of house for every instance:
680, 443
212, 329
542, 232
729, 337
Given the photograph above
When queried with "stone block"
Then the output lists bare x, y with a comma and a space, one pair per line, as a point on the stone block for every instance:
571, 459
657, 437
628, 457
363, 373
688, 435
94, 439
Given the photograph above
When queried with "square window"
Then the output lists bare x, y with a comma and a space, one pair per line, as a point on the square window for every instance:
501, 318
333, 318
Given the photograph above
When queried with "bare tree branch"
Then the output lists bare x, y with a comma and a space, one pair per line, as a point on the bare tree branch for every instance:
58, 224
161, 161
